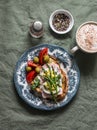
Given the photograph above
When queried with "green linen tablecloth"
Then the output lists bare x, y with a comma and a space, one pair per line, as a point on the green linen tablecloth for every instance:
15, 18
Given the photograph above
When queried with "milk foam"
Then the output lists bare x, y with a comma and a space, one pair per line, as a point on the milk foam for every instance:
87, 37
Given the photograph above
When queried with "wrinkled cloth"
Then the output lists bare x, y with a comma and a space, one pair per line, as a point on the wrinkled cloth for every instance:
15, 19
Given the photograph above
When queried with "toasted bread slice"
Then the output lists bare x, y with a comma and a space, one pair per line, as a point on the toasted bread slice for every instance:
60, 97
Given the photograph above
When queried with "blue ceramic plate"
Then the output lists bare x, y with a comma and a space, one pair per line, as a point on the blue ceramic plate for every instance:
68, 63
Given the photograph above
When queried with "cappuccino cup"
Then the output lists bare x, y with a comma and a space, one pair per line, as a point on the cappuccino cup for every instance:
86, 38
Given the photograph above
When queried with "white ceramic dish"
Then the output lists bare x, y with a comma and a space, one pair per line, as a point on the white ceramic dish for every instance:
68, 14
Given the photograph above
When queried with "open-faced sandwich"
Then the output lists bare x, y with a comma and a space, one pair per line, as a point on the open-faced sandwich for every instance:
46, 78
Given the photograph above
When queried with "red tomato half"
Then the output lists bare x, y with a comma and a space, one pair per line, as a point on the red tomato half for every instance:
31, 64
41, 54
30, 76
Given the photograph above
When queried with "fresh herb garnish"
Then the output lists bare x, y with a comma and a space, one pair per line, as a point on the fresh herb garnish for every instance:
35, 83
53, 81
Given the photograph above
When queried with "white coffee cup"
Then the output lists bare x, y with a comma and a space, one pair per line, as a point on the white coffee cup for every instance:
86, 38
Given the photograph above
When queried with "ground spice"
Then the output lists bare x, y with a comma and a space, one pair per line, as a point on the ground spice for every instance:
61, 22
